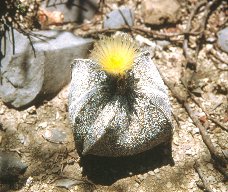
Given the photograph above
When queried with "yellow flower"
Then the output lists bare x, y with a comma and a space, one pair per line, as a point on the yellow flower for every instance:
115, 54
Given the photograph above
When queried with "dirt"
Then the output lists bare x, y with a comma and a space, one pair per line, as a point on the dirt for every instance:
150, 171
25, 132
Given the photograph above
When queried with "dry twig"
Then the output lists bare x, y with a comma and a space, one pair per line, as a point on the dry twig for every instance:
138, 30
206, 139
207, 11
17, 150
206, 113
188, 29
205, 185
216, 156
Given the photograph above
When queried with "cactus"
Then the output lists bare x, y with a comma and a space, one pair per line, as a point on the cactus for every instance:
118, 115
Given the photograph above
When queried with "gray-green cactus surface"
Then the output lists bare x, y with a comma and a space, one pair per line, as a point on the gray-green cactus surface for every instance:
118, 117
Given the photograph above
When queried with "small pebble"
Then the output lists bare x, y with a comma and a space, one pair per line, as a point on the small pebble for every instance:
2, 111
55, 135
43, 125
145, 175
68, 183
175, 141
140, 177
223, 66
169, 185
151, 173
211, 39
31, 110
144, 41
195, 130
21, 137
206, 157
188, 152
211, 179
209, 47
156, 170
217, 130
29, 181
55, 169
163, 43
57, 115
191, 184
210, 166
24, 117
223, 189
136, 185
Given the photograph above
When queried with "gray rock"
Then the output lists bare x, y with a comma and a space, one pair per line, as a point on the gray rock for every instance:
55, 136
163, 43
119, 17
74, 10
24, 76
10, 166
68, 183
223, 39
156, 12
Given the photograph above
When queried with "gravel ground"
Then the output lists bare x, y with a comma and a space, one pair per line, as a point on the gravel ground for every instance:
50, 158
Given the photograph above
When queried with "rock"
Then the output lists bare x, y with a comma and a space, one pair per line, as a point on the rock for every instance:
10, 166
55, 136
136, 184
169, 185
24, 139
195, 130
67, 171
151, 173
163, 43
156, 12
47, 18
119, 17
140, 177
223, 39
211, 179
29, 181
2, 110
210, 166
43, 125
176, 141
25, 75
68, 183
188, 152
144, 42
74, 10
31, 110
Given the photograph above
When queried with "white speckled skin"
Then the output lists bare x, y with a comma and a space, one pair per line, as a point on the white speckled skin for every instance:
118, 119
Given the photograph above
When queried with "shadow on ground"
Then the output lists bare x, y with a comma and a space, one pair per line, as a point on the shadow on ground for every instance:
107, 170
